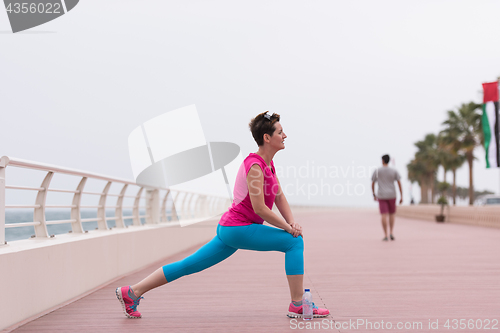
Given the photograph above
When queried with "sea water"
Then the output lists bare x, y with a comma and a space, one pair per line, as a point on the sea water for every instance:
20, 215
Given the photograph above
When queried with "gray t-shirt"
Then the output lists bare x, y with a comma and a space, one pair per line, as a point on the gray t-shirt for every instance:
386, 176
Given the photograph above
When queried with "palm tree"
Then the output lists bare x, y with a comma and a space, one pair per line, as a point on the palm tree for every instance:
465, 126
450, 158
417, 173
444, 154
456, 163
428, 156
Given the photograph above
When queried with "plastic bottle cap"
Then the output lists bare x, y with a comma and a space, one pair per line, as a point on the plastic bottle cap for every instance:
307, 290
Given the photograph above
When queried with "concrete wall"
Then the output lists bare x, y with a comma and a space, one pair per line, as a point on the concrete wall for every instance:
485, 216
37, 275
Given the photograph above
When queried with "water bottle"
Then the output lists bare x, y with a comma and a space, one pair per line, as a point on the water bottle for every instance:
307, 305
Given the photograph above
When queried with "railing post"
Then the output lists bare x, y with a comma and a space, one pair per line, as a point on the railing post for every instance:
213, 206
209, 204
119, 208
175, 217
101, 211
206, 202
39, 213
217, 205
202, 206
199, 203
183, 206
135, 213
76, 226
3, 166
189, 214
152, 206
221, 204
197, 206
164, 208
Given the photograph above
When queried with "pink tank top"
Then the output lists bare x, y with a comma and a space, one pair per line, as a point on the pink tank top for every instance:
241, 211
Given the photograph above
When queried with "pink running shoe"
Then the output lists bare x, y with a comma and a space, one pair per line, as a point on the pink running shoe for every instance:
296, 311
129, 305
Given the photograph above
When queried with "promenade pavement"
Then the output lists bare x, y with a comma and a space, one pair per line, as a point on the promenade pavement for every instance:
430, 274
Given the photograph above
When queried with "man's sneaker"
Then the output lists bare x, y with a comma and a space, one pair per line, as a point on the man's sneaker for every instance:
296, 311
392, 237
129, 305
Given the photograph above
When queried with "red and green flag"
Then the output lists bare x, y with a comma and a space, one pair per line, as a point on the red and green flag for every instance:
491, 124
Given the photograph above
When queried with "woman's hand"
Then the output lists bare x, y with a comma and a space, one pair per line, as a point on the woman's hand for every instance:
296, 229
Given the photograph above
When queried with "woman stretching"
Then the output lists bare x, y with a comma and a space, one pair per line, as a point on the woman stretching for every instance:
241, 227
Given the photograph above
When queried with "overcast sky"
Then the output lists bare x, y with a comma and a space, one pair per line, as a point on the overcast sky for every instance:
352, 80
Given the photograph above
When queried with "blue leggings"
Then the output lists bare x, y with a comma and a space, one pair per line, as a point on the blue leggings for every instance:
257, 237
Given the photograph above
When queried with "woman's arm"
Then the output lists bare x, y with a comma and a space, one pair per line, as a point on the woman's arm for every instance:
283, 205
255, 182
284, 208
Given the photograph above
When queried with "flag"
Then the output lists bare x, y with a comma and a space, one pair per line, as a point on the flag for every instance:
491, 124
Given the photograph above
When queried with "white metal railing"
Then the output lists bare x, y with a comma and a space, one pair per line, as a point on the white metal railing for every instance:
182, 204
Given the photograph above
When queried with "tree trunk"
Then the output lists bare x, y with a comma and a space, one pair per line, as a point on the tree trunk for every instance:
433, 190
454, 191
423, 192
470, 160
444, 174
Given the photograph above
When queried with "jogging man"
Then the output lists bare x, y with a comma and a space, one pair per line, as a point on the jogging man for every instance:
386, 195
